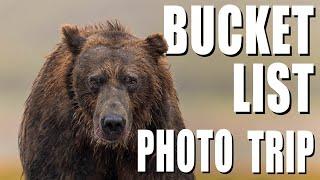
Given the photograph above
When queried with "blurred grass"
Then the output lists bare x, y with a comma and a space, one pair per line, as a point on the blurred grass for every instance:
259, 177
10, 173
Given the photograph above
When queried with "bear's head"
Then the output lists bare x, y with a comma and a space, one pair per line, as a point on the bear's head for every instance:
117, 79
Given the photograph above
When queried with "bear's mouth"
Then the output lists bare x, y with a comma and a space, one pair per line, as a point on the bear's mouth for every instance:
110, 138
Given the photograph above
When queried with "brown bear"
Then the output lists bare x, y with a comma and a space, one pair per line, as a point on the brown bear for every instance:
93, 93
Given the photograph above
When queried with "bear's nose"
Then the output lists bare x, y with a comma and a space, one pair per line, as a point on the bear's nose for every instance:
113, 124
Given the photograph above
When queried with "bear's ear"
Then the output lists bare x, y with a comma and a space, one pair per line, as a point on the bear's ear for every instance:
156, 45
72, 38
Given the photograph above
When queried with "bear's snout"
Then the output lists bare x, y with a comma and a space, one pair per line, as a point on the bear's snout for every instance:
113, 126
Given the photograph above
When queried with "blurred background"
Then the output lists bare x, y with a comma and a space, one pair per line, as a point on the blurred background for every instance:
30, 30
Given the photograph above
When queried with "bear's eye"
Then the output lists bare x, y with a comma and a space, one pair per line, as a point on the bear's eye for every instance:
131, 82
95, 82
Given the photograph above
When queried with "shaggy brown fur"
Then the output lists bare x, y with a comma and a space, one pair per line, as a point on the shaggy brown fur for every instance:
59, 136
